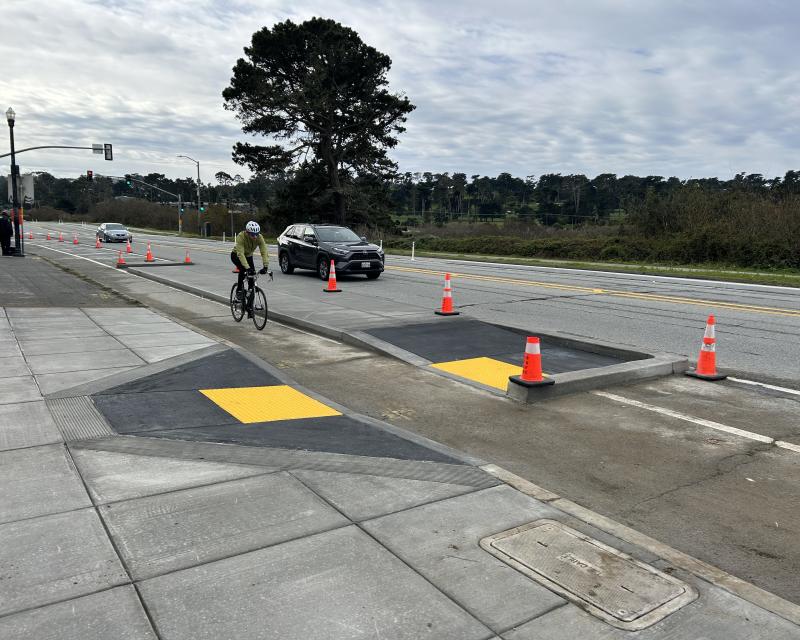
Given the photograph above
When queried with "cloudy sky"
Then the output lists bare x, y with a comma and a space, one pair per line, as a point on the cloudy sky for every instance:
700, 88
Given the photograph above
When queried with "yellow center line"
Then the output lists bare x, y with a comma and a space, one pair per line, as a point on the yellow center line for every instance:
649, 297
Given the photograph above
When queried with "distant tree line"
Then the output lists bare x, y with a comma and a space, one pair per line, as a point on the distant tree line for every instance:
748, 220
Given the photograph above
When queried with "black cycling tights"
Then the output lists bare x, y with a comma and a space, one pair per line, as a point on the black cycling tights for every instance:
242, 269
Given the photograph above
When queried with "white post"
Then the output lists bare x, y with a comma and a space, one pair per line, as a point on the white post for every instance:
223, 236
412, 250
381, 244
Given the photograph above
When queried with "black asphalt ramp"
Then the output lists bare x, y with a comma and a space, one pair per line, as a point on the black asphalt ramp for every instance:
463, 338
339, 434
217, 371
170, 405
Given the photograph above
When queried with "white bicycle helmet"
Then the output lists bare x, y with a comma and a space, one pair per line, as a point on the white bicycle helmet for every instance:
253, 227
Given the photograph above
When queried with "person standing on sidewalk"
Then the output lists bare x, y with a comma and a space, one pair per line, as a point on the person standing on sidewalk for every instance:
6, 233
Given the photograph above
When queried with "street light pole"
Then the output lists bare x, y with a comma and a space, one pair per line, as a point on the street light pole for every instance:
19, 243
198, 191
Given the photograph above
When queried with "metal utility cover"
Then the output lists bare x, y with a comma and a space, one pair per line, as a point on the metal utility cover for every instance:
605, 582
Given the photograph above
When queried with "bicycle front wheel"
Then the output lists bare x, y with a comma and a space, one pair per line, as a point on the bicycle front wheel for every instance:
259, 309
237, 306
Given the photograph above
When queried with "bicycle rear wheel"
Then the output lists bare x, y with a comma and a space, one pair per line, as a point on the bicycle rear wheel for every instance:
259, 309
237, 306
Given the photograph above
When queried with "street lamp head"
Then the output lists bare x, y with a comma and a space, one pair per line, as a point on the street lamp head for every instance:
10, 115
180, 155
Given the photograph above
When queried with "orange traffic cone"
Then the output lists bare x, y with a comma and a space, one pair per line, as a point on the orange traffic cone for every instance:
120, 260
235, 270
60, 237
332, 288
149, 255
97, 243
707, 360
74, 238
186, 260
48, 236
30, 235
447, 299
532, 366
129, 249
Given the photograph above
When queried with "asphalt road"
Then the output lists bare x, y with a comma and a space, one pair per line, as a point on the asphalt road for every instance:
758, 327
655, 456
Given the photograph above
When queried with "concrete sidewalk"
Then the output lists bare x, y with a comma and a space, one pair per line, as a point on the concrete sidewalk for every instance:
133, 536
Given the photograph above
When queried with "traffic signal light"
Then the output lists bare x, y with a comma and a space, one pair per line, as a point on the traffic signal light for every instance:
202, 208
128, 180
89, 175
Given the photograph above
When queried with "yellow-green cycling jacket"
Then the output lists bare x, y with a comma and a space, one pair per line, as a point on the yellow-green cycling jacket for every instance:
246, 246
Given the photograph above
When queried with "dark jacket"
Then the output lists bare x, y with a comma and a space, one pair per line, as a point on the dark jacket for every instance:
6, 228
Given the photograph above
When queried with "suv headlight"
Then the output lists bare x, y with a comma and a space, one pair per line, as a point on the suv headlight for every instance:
340, 252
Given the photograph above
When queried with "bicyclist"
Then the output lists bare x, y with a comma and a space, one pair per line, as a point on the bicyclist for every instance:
242, 254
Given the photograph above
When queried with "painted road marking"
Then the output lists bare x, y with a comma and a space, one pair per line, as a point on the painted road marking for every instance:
488, 371
702, 422
794, 392
647, 297
268, 404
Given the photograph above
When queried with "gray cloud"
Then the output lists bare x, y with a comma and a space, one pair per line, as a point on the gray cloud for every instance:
622, 86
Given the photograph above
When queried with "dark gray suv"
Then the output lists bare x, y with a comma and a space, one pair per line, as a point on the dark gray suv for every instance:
313, 246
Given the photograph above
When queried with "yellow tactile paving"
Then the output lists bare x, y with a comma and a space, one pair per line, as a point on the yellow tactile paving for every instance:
488, 371
267, 404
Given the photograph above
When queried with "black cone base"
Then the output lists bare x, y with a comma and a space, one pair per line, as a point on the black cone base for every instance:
525, 383
705, 376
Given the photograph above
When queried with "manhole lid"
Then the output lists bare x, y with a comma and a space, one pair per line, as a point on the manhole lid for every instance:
604, 581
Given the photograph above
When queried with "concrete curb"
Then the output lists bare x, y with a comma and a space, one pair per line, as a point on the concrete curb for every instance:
738, 587
657, 366
136, 265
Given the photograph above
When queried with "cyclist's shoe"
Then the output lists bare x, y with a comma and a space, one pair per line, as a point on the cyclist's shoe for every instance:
263, 271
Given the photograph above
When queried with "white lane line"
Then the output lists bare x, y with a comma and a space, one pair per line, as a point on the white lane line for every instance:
74, 255
794, 392
787, 445
682, 416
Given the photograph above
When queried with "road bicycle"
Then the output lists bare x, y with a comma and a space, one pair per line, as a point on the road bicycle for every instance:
253, 301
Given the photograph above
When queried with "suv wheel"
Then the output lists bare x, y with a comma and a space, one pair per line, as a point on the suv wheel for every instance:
322, 268
286, 265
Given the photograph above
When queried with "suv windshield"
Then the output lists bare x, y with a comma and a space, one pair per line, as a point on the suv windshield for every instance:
336, 234
114, 226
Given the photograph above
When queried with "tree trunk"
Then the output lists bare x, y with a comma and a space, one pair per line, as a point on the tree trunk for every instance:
336, 185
